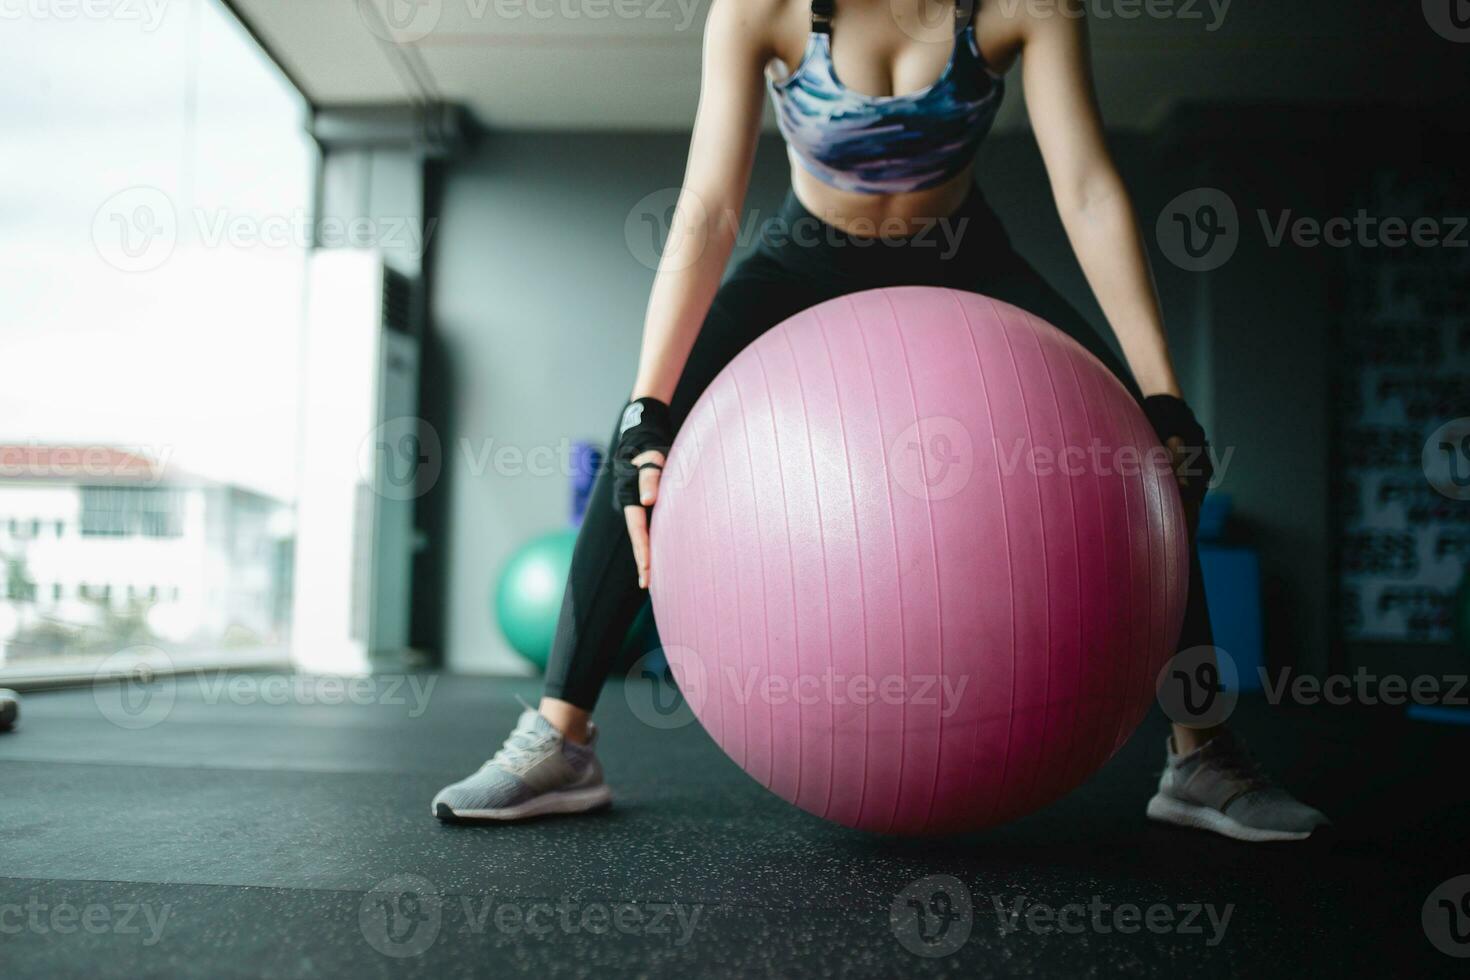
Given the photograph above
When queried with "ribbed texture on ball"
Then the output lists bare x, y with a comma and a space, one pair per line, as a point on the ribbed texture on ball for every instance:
862, 498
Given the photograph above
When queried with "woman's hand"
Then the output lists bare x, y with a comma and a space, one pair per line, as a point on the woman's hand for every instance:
644, 437
1189, 450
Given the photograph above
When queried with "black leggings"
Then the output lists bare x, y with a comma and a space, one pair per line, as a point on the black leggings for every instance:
800, 262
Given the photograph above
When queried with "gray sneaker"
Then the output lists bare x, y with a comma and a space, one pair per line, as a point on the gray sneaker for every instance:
537, 771
1219, 787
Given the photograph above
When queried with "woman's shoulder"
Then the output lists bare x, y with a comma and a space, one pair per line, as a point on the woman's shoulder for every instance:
768, 26
1003, 29
753, 14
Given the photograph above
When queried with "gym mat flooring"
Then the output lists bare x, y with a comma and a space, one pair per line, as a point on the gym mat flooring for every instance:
252, 826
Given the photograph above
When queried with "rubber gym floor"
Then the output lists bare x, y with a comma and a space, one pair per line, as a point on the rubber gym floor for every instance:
244, 834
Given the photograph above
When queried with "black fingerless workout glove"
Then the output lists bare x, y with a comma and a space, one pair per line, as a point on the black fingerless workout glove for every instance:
646, 425
1171, 417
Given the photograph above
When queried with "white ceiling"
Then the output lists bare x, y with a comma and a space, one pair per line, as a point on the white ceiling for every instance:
571, 64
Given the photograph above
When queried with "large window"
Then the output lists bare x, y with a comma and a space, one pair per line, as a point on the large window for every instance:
154, 221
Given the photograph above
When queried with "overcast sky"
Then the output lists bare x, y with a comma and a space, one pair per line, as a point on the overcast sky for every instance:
128, 143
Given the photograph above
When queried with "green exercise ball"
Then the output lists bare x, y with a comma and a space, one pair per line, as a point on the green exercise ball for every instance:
528, 596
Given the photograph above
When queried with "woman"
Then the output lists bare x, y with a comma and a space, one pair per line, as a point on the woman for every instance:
882, 115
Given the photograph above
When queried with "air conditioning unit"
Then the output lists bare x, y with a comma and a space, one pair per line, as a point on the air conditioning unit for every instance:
365, 458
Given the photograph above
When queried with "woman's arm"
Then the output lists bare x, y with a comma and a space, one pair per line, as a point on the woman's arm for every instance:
702, 233
1090, 196
707, 216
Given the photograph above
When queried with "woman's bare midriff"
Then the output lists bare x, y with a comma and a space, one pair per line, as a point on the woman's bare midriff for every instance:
880, 215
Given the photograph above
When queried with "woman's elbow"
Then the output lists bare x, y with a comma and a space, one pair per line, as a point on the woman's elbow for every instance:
1098, 191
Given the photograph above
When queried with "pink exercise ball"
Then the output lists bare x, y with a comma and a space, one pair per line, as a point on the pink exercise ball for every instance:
917, 560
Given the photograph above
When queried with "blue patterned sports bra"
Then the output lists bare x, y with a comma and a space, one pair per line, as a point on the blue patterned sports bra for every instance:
885, 144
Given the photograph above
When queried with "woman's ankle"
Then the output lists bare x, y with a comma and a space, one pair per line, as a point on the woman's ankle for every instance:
1187, 739
573, 722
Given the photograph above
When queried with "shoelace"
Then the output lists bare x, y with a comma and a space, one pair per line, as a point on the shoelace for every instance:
519, 750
